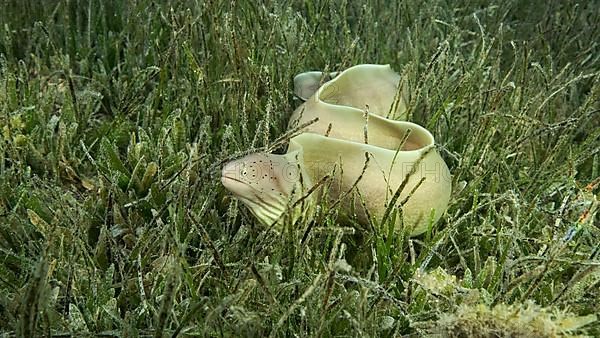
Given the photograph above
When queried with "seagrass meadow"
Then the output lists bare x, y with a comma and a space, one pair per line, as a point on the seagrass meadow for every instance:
116, 117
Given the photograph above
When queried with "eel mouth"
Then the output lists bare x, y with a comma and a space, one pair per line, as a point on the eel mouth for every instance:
225, 180
239, 187
230, 178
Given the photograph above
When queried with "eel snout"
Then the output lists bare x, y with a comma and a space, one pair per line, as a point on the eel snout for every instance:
231, 176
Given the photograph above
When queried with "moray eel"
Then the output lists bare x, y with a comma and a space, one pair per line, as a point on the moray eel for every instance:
403, 165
